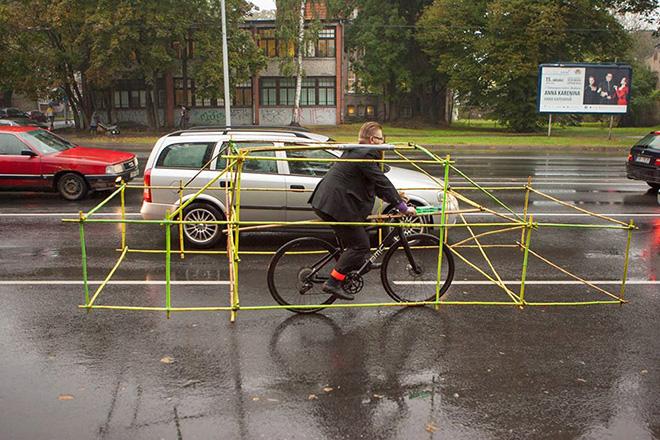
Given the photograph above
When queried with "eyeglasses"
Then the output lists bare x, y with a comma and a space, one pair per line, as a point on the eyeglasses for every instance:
384, 138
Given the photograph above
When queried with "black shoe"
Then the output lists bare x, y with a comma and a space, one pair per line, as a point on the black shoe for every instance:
333, 286
375, 266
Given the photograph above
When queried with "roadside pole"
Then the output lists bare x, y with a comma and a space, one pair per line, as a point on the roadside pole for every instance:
225, 66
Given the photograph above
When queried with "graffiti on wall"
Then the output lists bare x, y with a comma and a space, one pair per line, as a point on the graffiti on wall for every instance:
308, 116
134, 116
214, 116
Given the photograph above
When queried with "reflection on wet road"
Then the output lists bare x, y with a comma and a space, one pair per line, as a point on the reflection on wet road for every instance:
459, 373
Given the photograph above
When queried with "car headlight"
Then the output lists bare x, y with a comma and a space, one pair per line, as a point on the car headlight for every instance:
451, 201
114, 169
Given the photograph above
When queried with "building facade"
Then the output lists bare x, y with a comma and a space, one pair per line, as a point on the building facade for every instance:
266, 99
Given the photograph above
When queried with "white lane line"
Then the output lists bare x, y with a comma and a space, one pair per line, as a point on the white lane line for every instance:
118, 282
66, 214
222, 282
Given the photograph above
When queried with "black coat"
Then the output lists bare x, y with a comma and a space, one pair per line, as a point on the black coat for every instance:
348, 190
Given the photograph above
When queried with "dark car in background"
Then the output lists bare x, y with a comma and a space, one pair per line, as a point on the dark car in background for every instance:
22, 122
38, 116
34, 159
644, 160
12, 112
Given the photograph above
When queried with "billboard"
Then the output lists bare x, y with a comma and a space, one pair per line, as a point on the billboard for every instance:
584, 88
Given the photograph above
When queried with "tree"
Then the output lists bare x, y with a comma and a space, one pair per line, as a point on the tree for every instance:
387, 58
138, 42
293, 38
491, 49
49, 49
83, 46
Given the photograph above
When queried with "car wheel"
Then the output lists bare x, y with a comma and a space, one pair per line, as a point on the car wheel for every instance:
72, 186
202, 235
655, 186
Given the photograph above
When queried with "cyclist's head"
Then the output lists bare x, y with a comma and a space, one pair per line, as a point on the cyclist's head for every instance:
371, 133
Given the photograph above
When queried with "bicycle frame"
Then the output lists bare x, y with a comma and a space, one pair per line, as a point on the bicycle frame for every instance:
390, 237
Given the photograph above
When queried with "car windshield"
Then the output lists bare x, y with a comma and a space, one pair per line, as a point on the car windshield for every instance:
45, 142
650, 140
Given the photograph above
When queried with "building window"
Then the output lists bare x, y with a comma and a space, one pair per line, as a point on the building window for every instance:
325, 45
243, 97
130, 94
370, 110
350, 110
268, 91
326, 91
179, 49
308, 92
282, 91
287, 89
267, 41
406, 111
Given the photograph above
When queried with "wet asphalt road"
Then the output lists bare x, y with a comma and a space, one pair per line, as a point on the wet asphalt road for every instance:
464, 372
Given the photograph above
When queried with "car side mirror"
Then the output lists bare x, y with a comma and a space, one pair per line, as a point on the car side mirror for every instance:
28, 153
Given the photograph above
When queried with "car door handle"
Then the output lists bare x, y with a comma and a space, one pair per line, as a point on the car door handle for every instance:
222, 184
297, 187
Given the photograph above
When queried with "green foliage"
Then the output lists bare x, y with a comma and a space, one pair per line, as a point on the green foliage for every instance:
491, 49
643, 97
79, 45
385, 55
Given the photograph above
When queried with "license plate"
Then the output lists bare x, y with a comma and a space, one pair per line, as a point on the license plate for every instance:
134, 173
643, 159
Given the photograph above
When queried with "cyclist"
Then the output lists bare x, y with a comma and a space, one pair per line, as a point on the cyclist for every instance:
347, 194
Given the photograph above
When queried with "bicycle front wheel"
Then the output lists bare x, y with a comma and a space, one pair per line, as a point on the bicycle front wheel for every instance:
297, 272
412, 277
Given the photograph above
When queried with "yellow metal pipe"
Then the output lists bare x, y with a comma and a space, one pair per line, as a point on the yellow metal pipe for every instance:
512, 295
568, 205
100, 288
561, 269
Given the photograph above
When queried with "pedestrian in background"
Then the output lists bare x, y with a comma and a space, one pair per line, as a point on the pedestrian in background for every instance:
50, 114
185, 118
94, 122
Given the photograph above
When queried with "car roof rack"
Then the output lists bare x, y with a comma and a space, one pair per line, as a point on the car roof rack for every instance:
225, 129
248, 127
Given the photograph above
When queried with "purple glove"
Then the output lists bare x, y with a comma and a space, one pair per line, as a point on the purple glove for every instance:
402, 207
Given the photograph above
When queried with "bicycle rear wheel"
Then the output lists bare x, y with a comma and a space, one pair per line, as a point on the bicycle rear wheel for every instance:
297, 271
403, 283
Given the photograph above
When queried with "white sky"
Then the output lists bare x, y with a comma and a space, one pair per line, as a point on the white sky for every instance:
264, 5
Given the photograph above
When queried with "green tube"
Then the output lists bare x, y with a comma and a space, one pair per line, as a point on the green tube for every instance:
100, 205
168, 256
485, 192
84, 260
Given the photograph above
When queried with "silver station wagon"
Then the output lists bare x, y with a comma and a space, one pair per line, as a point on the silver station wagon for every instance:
282, 187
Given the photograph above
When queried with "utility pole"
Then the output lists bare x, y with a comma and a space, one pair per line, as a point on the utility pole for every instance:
225, 66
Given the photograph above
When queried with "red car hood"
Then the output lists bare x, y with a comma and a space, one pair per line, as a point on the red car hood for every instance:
95, 155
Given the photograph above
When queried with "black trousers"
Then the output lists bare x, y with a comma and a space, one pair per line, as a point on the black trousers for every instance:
356, 243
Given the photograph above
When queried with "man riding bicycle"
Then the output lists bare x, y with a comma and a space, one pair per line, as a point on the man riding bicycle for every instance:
347, 194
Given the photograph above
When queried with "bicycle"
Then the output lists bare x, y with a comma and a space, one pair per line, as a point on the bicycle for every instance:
409, 271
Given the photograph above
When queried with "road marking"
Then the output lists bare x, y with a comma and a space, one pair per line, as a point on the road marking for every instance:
221, 282
66, 214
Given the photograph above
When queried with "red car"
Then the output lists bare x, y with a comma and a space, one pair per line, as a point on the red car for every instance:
34, 159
